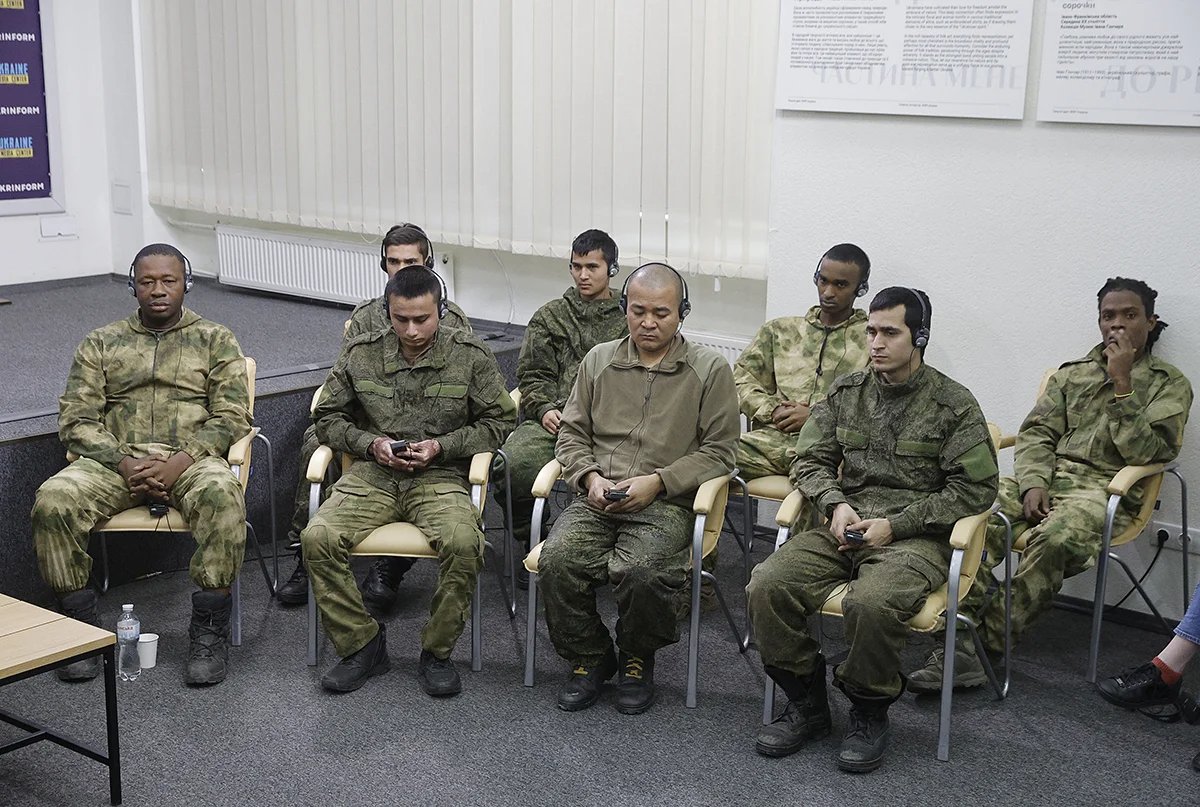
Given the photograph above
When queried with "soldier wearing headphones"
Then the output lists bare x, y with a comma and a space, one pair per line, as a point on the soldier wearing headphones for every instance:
892, 457
792, 361
153, 403
559, 335
411, 404
404, 246
651, 417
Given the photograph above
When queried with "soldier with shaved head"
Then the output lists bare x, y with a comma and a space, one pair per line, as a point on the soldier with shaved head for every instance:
651, 417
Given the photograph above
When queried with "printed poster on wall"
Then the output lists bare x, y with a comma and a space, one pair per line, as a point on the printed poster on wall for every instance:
947, 58
24, 143
1115, 61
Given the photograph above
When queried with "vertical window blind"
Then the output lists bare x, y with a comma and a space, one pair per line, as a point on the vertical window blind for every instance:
500, 124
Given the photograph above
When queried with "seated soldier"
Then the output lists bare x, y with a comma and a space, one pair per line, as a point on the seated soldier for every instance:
1116, 406
442, 392
559, 335
152, 405
792, 361
404, 246
915, 456
651, 418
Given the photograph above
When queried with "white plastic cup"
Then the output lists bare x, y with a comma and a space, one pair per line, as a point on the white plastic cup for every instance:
148, 650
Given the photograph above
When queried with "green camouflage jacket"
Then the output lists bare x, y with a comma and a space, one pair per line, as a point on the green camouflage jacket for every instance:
558, 337
132, 391
1078, 419
453, 392
797, 359
917, 453
368, 316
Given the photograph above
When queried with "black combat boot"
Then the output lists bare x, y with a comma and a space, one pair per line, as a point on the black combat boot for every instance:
635, 687
866, 737
295, 590
80, 605
208, 653
438, 676
805, 718
382, 584
353, 671
582, 688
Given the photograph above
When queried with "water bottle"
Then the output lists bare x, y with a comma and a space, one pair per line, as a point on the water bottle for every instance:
129, 628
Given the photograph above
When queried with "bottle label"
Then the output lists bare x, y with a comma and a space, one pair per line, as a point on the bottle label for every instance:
129, 634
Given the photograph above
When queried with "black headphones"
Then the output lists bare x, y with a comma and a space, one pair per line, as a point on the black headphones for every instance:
863, 284
187, 274
443, 304
921, 337
414, 230
685, 305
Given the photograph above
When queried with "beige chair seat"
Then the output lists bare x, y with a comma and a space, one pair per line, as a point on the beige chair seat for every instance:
776, 487
138, 519
399, 539
711, 537
928, 619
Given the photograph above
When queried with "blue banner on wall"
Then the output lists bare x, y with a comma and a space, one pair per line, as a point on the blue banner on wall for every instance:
24, 144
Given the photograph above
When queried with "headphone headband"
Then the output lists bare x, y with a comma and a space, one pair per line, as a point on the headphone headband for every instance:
921, 336
685, 305
443, 303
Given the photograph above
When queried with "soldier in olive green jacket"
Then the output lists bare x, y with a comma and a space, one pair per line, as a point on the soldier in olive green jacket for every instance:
792, 361
152, 405
442, 392
915, 456
404, 246
558, 337
1119, 405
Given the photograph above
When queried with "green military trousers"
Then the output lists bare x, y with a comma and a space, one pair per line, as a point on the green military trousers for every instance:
888, 586
308, 447
73, 501
645, 555
1066, 543
528, 448
441, 510
764, 452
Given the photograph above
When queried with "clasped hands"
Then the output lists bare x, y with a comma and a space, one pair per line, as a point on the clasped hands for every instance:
877, 532
415, 457
154, 476
641, 491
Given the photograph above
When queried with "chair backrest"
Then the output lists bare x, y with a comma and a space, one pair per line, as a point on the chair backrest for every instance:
715, 519
251, 372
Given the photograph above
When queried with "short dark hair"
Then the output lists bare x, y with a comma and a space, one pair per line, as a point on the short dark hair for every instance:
851, 253
590, 240
159, 249
412, 282
1142, 290
406, 233
914, 317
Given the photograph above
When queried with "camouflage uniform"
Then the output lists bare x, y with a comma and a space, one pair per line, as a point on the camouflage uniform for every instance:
453, 393
624, 420
1073, 442
791, 359
558, 337
133, 392
918, 454
368, 316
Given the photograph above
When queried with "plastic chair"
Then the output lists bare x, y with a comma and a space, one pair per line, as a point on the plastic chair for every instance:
1150, 478
138, 518
708, 505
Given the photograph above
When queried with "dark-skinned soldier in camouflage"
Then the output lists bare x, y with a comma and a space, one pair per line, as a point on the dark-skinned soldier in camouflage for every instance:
1118, 405
404, 246
442, 391
559, 335
915, 456
151, 407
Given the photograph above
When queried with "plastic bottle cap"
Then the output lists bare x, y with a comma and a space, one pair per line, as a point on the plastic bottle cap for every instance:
128, 607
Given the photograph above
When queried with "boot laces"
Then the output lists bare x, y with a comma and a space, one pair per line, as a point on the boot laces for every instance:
1140, 676
860, 724
634, 667
384, 570
206, 637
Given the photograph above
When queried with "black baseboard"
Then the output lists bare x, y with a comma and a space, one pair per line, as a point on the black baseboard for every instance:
1121, 616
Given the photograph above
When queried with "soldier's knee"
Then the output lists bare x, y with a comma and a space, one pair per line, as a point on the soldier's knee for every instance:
49, 503
318, 542
636, 573
463, 541
872, 604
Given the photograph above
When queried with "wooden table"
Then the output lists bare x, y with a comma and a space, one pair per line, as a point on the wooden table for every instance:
33, 641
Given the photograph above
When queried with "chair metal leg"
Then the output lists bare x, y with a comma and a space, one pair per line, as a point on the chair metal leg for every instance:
271, 504
476, 633
742, 640
1114, 501
252, 539
953, 582
769, 702
104, 562
747, 548
312, 626
535, 538
235, 627
1184, 538
694, 635
510, 541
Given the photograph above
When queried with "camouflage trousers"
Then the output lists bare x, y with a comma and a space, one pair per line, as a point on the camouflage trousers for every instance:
441, 510
887, 587
763, 452
308, 447
528, 448
1066, 543
73, 501
645, 555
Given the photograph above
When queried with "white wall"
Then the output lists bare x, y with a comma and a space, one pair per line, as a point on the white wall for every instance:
1011, 227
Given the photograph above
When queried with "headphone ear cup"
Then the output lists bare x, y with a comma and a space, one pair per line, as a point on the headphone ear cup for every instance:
612, 270
685, 308
862, 290
922, 338
622, 302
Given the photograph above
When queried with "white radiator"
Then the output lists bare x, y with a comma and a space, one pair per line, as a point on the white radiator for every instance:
728, 346
302, 266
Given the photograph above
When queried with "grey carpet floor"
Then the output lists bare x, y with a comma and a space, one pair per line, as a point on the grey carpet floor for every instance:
270, 735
